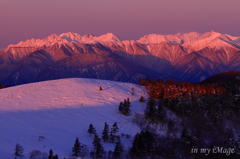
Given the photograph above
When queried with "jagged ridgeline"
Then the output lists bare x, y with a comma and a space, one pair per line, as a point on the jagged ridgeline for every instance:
186, 57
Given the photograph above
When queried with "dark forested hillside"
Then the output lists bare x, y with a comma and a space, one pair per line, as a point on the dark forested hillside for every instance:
194, 116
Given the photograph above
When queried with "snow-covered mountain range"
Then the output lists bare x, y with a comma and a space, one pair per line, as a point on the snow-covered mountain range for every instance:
190, 57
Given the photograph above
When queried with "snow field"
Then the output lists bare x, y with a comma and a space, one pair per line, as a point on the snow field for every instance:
60, 111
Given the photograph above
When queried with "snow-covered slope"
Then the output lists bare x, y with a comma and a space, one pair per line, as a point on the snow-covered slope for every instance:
60, 111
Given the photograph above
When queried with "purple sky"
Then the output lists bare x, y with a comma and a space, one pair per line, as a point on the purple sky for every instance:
127, 19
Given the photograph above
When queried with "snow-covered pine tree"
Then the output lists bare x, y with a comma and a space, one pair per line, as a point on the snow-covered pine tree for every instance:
105, 135
77, 148
98, 148
18, 151
118, 150
91, 130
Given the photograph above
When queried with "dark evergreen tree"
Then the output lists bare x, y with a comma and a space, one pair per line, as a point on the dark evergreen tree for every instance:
124, 108
120, 108
140, 81
161, 113
110, 154
127, 107
105, 135
150, 142
170, 125
18, 151
98, 148
142, 99
91, 130
1, 86
111, 137
187, 137
77, 148
55, 157
115, 128
118, 150
92, 154
138, 146
143, 144
50, 156
151, 111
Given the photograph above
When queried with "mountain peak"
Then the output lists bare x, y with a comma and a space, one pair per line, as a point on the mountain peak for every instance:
70, 36
89, 36
108, 37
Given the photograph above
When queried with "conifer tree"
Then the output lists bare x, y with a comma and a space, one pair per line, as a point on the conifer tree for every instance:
151, 111
140, 81
142, 99
110, 153
77, 148
187, 137
105, 135
50, 154
98, 148
1, 86
118, 150
143, 144
18, 151
127, 108
161, 113
149, 141
111, 137
92, 154
120, 108
55, 157
91, 130
115, 128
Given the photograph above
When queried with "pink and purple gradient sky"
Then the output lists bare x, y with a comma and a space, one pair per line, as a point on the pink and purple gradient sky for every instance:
127, 19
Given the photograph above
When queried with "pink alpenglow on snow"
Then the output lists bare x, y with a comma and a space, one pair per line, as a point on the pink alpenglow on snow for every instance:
128, 20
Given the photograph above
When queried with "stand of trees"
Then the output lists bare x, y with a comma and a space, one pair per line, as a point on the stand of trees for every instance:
124, 107
171, 90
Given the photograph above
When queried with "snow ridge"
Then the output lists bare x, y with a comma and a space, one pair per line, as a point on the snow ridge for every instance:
193, 41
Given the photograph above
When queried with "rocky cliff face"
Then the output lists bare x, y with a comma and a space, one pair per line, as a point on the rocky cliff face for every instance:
191, 57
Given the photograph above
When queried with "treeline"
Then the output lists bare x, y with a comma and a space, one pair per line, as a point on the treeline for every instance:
1, 86
171, 90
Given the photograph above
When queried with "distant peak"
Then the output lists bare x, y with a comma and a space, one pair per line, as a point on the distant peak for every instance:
53, 36
89, 36
109, 36
70, 36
